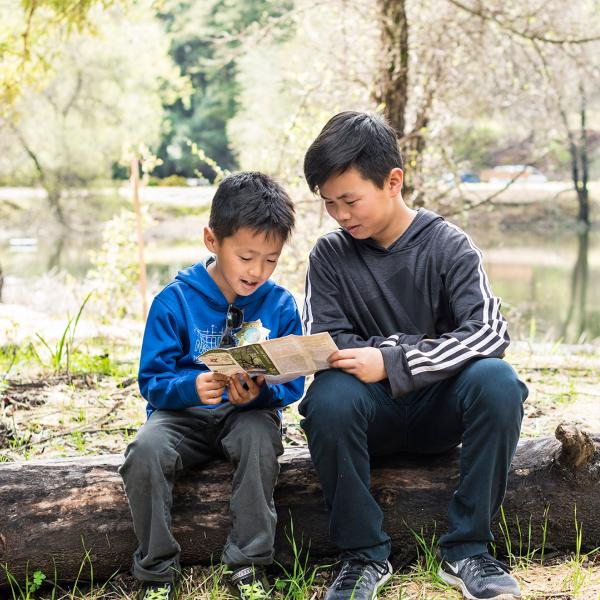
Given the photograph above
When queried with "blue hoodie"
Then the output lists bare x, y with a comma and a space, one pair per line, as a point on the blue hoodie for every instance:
187, 318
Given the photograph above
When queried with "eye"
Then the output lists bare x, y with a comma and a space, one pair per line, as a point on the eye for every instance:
245, 258
273, 261
350, 202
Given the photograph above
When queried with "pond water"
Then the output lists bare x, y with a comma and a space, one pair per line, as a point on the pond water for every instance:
549, 283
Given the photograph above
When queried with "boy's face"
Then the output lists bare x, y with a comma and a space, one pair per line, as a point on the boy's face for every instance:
245, 260
363, 209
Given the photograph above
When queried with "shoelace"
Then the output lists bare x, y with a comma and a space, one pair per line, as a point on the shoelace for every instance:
253, 591
486, 565
354, 569
158, 593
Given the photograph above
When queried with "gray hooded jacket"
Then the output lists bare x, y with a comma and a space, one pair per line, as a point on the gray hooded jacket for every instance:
425, 301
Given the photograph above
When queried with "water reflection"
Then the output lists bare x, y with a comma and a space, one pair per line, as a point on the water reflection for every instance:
549, 284
575, 323
54, 257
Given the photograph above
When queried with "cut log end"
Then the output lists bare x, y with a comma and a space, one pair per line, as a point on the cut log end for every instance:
577, 446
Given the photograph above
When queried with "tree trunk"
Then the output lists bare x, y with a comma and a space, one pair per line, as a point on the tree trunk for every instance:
55, 201
580, 160
582, 185
392, 86
57, 510
392, 91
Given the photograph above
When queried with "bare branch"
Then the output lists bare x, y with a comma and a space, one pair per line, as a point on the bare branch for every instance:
489, 199
489, 15
26, 52
30, 153
75, 94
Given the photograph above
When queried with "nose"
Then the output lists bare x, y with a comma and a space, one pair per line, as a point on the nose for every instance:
339, 213
343, 214
255, 270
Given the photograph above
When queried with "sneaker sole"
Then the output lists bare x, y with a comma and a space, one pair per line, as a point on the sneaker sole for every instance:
458, 583
382, 582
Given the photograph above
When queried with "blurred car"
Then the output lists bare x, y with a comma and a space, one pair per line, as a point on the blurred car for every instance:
450, 179
469, 177
520, 173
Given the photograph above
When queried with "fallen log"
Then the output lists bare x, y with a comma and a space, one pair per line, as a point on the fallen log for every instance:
55, 512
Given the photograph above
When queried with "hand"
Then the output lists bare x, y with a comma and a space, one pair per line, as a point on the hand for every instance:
240, 394
210, 387
365, 364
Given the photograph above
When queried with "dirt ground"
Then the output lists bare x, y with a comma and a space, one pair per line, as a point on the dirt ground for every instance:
52, 416
43, 416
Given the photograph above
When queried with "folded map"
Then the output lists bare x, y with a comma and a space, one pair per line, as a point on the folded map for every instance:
279, 360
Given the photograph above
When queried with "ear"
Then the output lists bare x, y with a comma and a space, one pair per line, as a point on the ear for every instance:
210, 240
395, 181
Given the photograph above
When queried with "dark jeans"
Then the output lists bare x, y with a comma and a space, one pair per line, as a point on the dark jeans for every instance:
173, 440
348, 421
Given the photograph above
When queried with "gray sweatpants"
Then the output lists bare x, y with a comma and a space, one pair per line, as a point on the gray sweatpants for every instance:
174, 440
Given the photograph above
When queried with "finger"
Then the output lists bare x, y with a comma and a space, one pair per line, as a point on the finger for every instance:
245, 395
239, 387
214, 385
232, 394
347, 353
260, 379
235, 397
208, 400
214, 393
252, 387
343, 363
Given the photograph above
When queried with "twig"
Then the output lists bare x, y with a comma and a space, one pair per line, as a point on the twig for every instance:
80, 429
472, 204
532, 36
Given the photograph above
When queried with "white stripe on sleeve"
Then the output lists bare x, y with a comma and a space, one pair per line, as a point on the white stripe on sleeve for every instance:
453, 351
308, 316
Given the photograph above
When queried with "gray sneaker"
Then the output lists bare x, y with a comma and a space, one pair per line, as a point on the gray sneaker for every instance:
359, 579
480, 577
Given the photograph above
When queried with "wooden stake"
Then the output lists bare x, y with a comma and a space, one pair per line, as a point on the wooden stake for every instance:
135, 193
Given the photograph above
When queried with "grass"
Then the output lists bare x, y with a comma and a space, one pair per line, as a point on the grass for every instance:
206, 583
425, 569
297, 581
66, 343
581, 570
522, 555
27, 589
576, 577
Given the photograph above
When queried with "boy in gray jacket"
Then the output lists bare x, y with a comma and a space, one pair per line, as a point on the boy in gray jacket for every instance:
406, 299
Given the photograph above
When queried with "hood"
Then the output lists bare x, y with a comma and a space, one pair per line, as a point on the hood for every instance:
198, 278
418, 231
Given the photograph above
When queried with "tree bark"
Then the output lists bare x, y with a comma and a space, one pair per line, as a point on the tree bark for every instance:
579, 159
392, 84
582, 186
57, 510
392, 90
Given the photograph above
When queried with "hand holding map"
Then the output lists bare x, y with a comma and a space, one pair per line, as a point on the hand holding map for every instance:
279, 359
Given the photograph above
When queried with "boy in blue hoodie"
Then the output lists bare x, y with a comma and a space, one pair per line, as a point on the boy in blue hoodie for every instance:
195, 415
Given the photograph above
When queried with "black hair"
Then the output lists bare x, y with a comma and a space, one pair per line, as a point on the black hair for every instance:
363, 141
254, 200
